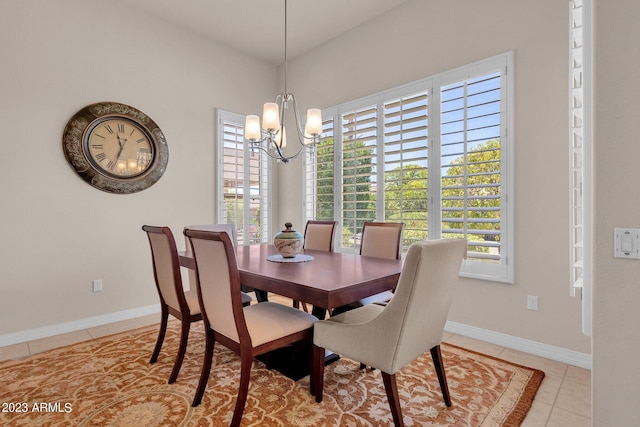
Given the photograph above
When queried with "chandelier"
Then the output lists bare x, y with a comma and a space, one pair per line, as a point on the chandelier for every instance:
271, 137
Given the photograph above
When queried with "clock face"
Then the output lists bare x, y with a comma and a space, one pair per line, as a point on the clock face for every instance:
118, 147
115, 147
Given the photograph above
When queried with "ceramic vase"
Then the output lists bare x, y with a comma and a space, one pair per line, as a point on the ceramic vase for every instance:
288, 242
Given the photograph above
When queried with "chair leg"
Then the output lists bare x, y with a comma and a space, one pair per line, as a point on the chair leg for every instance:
261, 296
316, 379
296, 304
436, 355
164, 315
245, 372
182, 349
391, 388
206, 367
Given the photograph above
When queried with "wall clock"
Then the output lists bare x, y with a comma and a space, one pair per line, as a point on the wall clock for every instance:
115, 147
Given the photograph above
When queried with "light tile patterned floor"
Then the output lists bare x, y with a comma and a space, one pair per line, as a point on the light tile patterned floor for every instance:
564, 398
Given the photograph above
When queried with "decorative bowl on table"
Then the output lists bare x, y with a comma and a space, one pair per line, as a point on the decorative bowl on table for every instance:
288, 242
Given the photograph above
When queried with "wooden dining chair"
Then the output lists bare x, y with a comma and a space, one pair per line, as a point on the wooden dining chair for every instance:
392, 336
250, 331
318, 236
379, 240
231, 230
173, 299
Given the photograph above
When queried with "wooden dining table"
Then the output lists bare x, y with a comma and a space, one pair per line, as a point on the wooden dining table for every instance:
330, 279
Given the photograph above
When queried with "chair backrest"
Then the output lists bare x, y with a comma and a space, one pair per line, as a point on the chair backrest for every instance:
381, 239
414, 319
218, 283
230, 229
318, 235
166, 267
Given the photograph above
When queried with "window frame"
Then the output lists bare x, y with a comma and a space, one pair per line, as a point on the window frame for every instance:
502, 271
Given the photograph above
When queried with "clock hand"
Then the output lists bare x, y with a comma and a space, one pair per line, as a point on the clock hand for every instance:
121, 142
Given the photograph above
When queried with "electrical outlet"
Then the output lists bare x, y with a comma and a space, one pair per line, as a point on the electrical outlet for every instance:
532, 302
97, 285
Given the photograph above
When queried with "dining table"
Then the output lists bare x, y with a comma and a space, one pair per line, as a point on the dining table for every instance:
323, 279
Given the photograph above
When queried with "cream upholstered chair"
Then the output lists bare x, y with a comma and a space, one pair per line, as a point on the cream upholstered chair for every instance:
389, 337
381, 239
249, 331
230, 229
318, 236
173, 299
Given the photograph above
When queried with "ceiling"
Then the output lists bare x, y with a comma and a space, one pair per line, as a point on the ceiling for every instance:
256, 27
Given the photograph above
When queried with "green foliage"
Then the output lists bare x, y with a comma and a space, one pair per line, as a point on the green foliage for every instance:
470, 192
325, 177
477, 205
406, 197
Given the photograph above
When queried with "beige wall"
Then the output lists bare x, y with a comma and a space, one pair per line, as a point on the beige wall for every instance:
616, 287
417, 40
57, 232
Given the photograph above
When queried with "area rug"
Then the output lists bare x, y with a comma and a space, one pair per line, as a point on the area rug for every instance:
109, 382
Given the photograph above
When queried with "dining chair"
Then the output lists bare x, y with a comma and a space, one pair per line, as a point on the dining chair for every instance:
318, 236
230, 229
181, 304
250, 331
379, 240
390, 337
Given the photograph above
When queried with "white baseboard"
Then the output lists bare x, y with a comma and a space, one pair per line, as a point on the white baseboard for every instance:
547, 351
532, 347
76, 325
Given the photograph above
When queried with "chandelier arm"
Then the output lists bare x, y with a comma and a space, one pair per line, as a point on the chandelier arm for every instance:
280, 157
299, 129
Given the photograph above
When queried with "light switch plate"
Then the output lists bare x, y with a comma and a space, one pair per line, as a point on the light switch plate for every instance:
627, 243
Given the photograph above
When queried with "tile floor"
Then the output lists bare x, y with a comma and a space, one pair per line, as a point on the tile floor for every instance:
564, 398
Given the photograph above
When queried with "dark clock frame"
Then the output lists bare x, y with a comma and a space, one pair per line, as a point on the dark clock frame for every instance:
74, 144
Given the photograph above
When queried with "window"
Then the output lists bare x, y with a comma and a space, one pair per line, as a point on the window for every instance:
470, 163
242, 182
580, 153
434, 154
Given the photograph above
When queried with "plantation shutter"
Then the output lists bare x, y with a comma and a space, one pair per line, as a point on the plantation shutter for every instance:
359, 140
580, 155
233, 177
319, 176
405, 127
471, 197
434, 154
244, 184
576, 146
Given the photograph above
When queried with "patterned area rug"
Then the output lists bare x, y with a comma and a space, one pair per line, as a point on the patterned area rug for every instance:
109, 382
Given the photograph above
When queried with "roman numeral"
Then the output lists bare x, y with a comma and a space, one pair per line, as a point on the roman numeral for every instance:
111, 165
108, 128
140, 140
121, 127
97, 146
98, 135
100, 157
